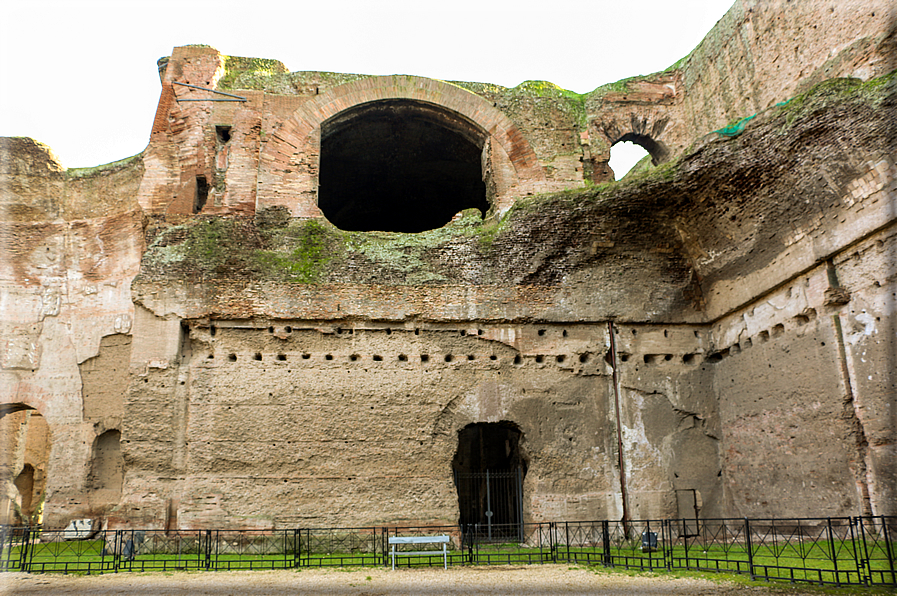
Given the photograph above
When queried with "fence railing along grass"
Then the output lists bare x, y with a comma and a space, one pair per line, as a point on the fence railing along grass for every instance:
830, 551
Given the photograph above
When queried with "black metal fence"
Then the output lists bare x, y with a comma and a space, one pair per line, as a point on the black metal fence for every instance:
830, 551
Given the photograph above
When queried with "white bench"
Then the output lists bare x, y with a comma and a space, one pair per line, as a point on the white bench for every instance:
394, 540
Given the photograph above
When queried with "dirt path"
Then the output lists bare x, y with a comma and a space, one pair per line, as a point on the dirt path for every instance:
529, 581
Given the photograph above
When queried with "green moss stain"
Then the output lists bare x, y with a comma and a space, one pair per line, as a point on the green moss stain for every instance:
304, 252
104, 168
838, 90
235, 66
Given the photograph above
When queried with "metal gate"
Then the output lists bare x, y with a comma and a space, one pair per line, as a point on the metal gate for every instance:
491, 504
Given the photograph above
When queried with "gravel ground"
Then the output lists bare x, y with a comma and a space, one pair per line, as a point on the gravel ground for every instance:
525, 580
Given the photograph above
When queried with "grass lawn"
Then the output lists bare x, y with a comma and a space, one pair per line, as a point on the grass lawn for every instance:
818, 562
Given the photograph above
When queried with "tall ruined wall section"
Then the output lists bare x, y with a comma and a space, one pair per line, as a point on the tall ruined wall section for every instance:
71, 243
759, 54
209, 351
794, 319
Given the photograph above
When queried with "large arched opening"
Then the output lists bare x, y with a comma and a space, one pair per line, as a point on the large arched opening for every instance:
24, 460
400, 166
489, 468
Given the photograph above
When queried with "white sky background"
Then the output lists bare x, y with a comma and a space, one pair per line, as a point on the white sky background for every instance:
81, 77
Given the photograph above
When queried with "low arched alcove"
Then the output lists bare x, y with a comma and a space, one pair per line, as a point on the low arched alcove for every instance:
24, 460
107, 468
400, 165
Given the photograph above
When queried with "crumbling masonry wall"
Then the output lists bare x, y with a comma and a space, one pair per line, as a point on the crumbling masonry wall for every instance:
207, 350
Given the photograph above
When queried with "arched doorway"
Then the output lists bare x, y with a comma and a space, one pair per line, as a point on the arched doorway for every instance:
399, 166
24, 458
489, 469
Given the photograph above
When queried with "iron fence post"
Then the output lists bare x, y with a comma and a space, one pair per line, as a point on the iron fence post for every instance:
605, 538
863, 559
23, 555
567, 538
647, 532
888, 549
552, 537
750, 549
208, 549
666, 536
831, 539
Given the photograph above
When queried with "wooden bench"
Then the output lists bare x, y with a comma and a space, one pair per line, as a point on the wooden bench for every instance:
394, 540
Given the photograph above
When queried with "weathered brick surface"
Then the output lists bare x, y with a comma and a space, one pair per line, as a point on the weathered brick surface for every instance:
723, 324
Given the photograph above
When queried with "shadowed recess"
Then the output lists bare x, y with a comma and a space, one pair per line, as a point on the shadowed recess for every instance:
399, 166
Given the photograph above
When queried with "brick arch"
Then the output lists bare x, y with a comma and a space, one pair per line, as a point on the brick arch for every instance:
57, 409
649, 130
289, 164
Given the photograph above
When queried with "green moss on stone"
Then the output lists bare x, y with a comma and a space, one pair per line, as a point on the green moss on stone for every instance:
837, 90
305, 250
115, 165
235, 66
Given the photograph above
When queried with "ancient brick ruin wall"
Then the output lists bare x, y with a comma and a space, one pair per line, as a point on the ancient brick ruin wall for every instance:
71, 243
759, 54
722, 277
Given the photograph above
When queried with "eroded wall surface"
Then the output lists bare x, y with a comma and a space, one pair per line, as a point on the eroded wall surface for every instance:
71, 242
713, 337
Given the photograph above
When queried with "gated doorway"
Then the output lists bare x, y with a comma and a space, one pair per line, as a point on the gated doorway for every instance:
489, 471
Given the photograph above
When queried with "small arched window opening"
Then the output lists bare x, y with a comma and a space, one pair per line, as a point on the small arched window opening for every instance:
633, 153
400, 166
25, 452
626, 157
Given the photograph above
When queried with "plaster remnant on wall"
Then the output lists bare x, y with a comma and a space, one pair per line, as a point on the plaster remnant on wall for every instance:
865, 329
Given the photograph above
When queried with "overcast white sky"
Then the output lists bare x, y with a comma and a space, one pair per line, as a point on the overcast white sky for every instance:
80, 75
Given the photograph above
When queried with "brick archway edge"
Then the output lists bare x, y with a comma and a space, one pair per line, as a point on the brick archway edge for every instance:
289, 161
